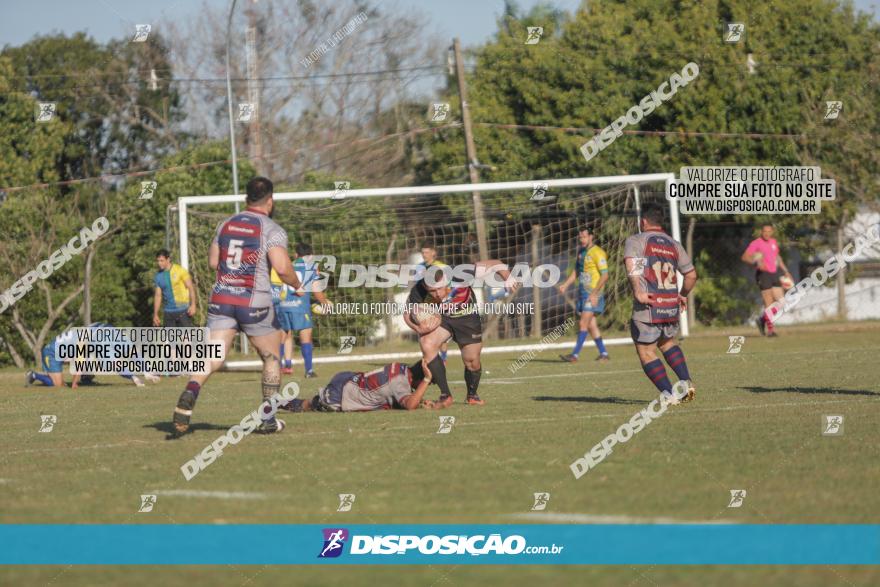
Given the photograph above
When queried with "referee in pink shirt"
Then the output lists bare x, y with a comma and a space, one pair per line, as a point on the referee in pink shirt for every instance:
763, 253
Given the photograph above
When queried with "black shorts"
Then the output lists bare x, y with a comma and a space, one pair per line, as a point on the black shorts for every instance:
177, 320
465, 330
767, 280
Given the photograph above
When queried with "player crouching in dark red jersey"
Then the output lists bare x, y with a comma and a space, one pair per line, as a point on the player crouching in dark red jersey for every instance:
459, 319
394, 386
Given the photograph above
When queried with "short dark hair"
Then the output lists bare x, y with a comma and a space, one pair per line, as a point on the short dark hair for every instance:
417, 374
585, 228
164, 253
303, 249
653, 213
428, 245
258, 189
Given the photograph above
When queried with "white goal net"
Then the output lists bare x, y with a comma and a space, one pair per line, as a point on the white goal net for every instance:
526, 223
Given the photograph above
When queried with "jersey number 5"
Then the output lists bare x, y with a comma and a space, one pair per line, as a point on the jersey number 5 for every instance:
665, 274
233, 253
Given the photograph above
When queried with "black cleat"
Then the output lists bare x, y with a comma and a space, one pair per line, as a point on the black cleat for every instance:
271, 427
311, 375
294, 405
183, 412
569, 358
603, 358
761, 325
29, 378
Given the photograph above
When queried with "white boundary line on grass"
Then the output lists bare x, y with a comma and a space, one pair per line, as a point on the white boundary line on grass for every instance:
233, 365
550, 518
214, 494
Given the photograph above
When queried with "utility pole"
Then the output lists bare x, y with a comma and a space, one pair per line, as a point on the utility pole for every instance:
472, 162
229, 104
841, 275
255, 135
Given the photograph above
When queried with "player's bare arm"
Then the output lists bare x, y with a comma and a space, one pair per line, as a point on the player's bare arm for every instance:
784, 268
414, 400
496, 266
635, 283
157, 303
326, 304
191, 311
280, 262
597, 291
214, 256
572, 277
687, 286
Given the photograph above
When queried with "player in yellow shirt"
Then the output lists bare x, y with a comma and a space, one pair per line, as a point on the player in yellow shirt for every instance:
591, 272
173, 283
294, 308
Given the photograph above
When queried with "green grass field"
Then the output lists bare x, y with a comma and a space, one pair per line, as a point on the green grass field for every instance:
756, 425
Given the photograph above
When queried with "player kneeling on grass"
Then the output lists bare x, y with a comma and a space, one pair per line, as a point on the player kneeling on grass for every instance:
653, 259
394, 386
54, 367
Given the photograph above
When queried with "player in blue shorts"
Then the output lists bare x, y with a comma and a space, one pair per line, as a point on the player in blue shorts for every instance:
294, 308
54, 367
591, 273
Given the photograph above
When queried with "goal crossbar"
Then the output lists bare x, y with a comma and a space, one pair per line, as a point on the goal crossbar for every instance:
184, 202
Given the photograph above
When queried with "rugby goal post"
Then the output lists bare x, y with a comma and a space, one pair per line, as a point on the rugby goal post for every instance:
186, 206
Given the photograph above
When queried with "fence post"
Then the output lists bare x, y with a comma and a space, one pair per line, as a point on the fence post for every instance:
841, 278
537, 319
692, 296
389, 294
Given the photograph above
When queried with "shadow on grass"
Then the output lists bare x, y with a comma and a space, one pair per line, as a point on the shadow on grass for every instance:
588, 399
170, 434
810, 390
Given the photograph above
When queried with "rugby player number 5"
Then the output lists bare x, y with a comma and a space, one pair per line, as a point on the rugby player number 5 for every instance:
233, 254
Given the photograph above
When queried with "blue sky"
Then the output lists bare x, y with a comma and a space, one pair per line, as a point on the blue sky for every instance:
472, 20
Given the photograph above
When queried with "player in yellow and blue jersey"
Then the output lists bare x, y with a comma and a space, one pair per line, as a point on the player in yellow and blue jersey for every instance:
173, 284
591, 273
294, 308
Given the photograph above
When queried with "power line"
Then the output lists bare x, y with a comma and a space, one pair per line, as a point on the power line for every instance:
677, 133
304, 82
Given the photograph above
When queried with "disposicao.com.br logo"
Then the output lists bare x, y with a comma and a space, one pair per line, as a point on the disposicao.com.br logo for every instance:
334, 540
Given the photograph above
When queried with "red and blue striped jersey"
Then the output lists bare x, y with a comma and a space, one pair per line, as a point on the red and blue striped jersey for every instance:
243, 272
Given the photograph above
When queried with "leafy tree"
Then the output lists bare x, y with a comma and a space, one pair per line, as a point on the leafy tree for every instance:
590, 69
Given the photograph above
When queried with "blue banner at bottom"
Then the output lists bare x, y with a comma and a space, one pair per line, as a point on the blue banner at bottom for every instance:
484, 544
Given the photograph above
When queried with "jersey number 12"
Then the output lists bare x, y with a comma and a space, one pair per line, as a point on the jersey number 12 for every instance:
665, 274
